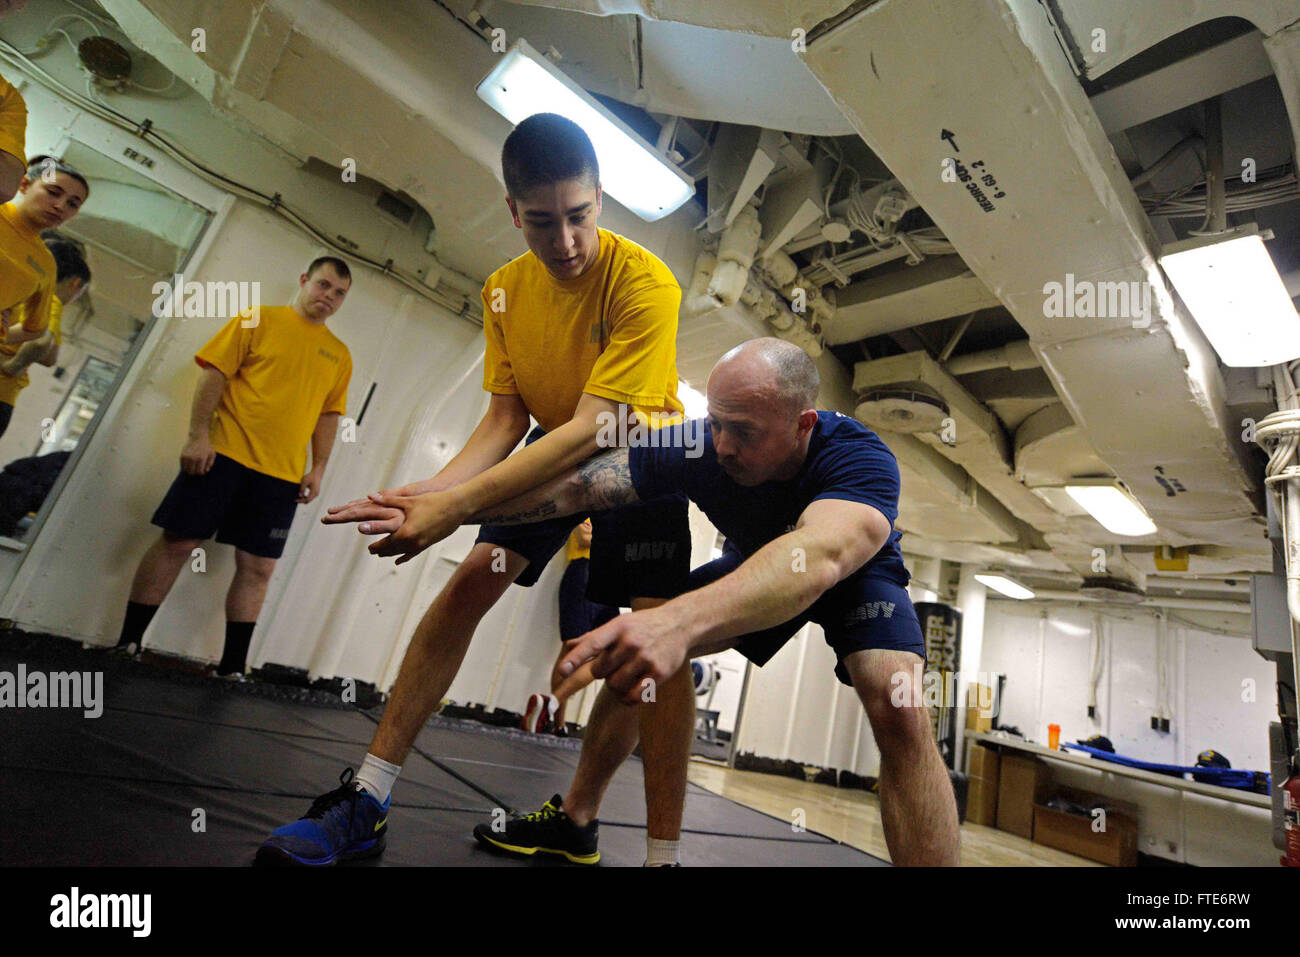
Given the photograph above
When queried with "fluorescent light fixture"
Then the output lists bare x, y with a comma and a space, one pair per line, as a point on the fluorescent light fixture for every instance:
695, 404
1234, 292
1112, 506
631, 170
1007, 586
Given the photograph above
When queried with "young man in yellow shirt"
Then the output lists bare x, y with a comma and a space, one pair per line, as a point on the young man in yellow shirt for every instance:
49, 195
577, 329
271, 382
72, 278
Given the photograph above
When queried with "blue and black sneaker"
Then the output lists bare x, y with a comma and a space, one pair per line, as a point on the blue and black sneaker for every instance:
346, 824
548, 831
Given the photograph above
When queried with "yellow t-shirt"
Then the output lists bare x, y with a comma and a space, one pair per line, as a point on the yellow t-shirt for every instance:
575, 548
27, 271
10, 385
13, 121
611, 331
282, 375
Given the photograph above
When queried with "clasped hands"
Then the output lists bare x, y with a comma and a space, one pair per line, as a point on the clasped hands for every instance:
633, 653
412, 518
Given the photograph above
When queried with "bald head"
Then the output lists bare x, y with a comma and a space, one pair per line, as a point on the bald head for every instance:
771, 367
762, 410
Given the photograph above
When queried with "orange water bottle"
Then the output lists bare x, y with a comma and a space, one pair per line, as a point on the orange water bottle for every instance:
1054, 736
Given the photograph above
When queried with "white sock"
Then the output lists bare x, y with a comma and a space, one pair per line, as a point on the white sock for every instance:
658, 853
377, 777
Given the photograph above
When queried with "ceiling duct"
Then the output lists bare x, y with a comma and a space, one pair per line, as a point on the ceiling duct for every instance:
1049, 207
1050, 448
902, 410
973, 439
939, 288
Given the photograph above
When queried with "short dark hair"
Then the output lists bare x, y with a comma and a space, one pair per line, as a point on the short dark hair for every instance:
37, 165
69, 262
547, 148
339, 265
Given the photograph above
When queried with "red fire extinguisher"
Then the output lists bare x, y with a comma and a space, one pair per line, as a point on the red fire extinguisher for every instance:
1291, 820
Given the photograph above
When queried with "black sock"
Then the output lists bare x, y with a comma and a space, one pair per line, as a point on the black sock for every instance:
138, 616
239, 634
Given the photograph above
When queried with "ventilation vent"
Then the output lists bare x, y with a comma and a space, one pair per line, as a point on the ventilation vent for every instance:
398, 209
902, 410
1113, 589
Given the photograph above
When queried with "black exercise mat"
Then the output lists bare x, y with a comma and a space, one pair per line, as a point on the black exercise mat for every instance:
131, 686
144, 747
523, 770
116, 823
122, 788
66, 820
253, 705
525, 789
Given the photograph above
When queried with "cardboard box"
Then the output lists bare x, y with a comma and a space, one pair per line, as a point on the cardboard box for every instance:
982, 796
977, 720
1115, 845
1022, 783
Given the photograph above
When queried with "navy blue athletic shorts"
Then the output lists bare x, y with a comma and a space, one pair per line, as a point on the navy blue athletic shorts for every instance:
245, 508
641, 550
861, 612
578, 613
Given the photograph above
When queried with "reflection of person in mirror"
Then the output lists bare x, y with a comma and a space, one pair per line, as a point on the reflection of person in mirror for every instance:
73, 276
267, 389
49, 195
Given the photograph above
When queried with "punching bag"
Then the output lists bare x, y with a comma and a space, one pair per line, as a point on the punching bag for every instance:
941, 626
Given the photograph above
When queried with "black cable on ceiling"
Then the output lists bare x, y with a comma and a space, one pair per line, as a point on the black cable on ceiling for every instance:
465, 23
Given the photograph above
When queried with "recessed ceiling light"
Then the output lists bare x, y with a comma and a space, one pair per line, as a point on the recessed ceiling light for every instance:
631, 170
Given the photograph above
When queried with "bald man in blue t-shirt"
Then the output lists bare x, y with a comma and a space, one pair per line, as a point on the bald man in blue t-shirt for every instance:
807, 502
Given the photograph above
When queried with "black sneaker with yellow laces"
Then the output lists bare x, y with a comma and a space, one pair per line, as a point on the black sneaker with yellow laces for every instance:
548, 831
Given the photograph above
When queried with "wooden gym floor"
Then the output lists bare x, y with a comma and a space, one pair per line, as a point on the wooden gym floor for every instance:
853, 817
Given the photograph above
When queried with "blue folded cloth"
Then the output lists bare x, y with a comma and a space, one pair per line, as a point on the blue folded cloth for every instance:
1223, 777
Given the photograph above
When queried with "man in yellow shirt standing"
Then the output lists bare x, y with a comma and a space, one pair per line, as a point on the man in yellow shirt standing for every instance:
271, 382
578, 330
72, 278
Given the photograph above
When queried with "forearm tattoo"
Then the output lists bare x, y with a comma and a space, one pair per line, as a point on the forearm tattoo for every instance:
605, 481
546, 509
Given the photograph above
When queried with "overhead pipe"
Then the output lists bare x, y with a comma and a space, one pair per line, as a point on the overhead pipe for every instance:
1279, 434
1216, 219
1187, 604
1015, 356
735, 255
956, 338
784, 275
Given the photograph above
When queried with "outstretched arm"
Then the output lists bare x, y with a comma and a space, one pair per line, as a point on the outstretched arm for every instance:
502, 426
603, 481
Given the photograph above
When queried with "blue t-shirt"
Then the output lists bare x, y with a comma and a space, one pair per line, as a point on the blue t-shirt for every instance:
845, 460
